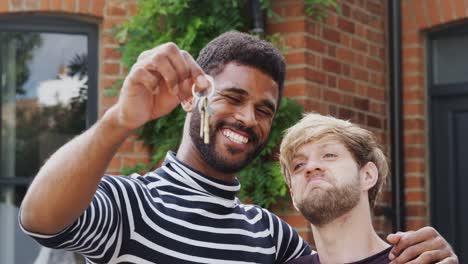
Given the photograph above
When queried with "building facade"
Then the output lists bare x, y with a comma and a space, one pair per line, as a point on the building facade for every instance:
399, 68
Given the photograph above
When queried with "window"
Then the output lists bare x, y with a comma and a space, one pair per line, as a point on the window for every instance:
48, 80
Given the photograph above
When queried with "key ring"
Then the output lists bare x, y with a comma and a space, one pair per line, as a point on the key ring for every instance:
211, 81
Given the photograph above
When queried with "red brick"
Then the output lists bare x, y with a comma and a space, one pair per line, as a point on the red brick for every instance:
434, 14
375, 7
345, 10
133, 160
331, 51
116, 9
315, 76
68, 5
139, 147
345, 113
16, 5
408, 19
3, 6
448, 13
376, 94
374, 64
288, 26
344, 54
345, 40
360, 16
409, 81
111, 53
97, 7
296, 41
413, 109
361, 103
414, 166
56, 5
416, 210
107, 101
414, 124
296, 89
413, 95
295, 58
115, 164
359, 45
331, 65
111, 68
421, 13
414, 138
347, 85
132, 9
377, 108
31, 4
331, 81
359, 74
373, 36
295, 73
110, 23
294, 10
412, 67
331, 35
460, 9
415, 152
415, 182
373, 121
346, 69
415, 224
415, 196
332, 96
83, 6
346, 25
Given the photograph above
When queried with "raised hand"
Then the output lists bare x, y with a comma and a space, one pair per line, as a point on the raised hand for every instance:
160, 79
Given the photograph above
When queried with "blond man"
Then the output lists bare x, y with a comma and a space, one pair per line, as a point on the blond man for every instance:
335, 170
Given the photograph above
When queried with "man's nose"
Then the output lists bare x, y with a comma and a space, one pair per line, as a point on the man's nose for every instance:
246, 115
313, 166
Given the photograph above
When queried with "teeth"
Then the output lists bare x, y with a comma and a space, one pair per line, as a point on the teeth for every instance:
239, 139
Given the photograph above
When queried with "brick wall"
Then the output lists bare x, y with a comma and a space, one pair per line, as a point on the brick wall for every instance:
338, 67
107, 14
418, 18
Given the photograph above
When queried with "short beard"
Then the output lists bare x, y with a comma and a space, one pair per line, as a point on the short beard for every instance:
324, 206
208, 151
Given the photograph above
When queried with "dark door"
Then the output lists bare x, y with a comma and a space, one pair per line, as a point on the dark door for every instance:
448, 100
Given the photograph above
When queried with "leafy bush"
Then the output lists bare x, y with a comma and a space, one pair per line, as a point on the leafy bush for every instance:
191, 24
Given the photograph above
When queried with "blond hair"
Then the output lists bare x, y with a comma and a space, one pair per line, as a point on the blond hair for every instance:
360, 142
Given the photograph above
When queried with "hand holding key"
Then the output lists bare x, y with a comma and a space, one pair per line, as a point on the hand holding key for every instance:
159, 80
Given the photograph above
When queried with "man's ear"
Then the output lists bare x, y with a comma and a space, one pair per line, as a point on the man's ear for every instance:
369, 175
188, 104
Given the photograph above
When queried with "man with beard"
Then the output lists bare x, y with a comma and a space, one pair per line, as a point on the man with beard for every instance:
335, 170
186, 211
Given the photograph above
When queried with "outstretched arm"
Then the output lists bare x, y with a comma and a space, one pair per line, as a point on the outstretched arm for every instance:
425, 245
66, 184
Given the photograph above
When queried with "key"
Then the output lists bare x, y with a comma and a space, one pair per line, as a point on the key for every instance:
205, 110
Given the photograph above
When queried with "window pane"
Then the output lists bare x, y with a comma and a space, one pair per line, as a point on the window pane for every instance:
450, 59
44, 82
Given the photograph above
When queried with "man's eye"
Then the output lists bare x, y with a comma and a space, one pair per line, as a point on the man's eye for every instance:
330, 155
264, 112
298, 166
232, 99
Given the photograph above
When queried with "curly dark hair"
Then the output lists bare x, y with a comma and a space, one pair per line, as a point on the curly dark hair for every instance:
246, 50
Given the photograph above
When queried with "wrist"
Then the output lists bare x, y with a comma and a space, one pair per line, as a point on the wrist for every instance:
111, 120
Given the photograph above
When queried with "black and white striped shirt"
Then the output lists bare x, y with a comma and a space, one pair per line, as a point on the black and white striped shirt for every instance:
176, 215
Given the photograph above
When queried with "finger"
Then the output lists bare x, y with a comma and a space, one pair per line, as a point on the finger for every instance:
431, 257
196, 72
416, 250
141, 76
162, 66
449, 260
178, 62
411, 238
394, 238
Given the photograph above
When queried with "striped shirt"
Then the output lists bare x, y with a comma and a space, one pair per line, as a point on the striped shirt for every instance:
175, 215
